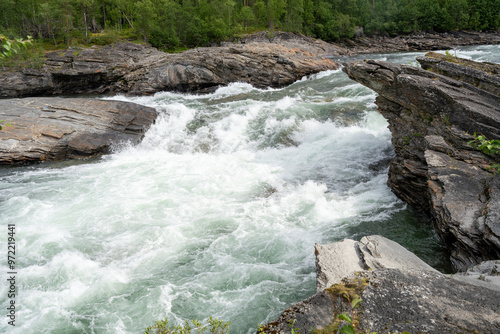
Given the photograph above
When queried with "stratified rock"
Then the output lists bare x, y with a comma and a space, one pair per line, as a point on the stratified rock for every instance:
340, 259
419, 41
140, 69
485, 76
486, 274
45, 129
409, 299
432, 117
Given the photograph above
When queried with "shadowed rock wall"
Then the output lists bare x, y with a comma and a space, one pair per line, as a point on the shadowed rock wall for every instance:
432, 117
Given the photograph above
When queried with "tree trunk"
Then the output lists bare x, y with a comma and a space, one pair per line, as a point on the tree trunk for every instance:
85, 22
104, 14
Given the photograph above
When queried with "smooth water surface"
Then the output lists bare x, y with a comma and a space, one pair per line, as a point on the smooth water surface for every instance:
215, 213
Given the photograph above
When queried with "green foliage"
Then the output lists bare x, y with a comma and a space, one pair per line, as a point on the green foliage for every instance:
169, 24
350, 328
489, 147
290, 324
28, 56
8, 47
215, 326
6, 124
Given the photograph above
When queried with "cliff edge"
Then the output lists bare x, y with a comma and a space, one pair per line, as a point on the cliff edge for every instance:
433, 113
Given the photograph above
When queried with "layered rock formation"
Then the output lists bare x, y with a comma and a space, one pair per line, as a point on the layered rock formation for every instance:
432, 117
396, 295
45, 129
140, 69
419, 41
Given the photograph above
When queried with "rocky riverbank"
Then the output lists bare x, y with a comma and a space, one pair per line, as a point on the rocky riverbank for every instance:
398, 293
417, 42
432, 118
139, 69
262, 59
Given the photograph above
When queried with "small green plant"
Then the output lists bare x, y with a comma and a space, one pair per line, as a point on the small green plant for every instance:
218, 326
490, 147
449, 56
215, 326
446, 119
350, 328
290, 324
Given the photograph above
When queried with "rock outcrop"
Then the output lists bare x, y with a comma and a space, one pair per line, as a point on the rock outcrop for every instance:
140, 69
396, 296
432, 118
370, 253
419, 41
45, 129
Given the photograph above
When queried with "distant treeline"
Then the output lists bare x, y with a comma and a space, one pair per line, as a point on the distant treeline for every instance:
173, 23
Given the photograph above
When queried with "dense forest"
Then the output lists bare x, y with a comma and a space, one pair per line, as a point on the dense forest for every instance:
172, 23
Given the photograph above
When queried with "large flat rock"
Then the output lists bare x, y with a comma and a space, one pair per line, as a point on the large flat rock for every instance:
45, 129
141, 69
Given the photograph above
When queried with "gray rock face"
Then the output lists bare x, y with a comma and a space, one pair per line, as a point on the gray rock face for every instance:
431, 118
340, 259
139, 69
401, 295
420, 41
45, 129
426, 302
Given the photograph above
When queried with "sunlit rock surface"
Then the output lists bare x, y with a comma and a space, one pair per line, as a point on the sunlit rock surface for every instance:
47, 129
398, 294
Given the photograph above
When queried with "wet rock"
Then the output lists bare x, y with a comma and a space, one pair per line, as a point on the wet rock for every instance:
47, 129
432, 117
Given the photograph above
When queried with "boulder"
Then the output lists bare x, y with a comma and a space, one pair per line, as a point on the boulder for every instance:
48, 129
339, 259
395, 297
432, 118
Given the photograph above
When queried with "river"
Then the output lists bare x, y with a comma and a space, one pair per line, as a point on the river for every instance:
215, 213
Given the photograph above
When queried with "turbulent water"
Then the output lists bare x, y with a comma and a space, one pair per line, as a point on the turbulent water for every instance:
215, 213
